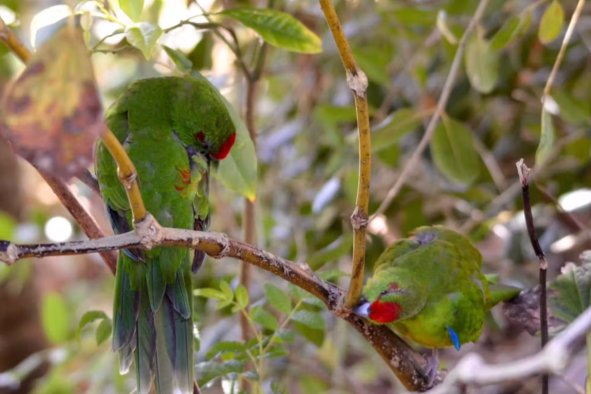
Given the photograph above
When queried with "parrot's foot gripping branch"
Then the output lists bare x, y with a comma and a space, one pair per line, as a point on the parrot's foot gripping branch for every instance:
149, 231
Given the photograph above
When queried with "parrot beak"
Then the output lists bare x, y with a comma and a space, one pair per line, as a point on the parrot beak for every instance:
362, 309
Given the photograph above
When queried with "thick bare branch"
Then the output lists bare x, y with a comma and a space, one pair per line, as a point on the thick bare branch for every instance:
412, 368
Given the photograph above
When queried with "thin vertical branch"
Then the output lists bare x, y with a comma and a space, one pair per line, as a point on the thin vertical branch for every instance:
252, 83
439, 110
523, 172
357, 82
562, 51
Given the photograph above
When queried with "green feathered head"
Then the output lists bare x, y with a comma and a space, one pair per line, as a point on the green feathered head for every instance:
201, 119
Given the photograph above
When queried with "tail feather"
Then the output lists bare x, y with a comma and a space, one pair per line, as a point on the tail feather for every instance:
152, 321
125, 307
179, 297
145, 354
156, 285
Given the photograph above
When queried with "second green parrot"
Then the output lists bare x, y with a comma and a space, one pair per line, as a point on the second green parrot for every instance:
430, 288
173, 129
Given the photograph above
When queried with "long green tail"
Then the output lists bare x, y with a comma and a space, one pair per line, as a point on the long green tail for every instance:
160, 337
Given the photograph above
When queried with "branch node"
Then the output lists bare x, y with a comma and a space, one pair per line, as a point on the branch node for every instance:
224, 243
8, 252
523, 172
149, 231
359, 219
357, 82
128, 180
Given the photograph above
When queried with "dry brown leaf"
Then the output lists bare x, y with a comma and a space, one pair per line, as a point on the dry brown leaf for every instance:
52, 112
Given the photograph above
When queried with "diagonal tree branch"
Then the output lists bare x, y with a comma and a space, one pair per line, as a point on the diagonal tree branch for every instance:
412, 368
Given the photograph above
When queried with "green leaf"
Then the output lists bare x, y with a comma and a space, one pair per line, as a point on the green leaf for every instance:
571, 109
178, 58
238, 171
55, 316
551, 23
277, 298
571, 292
144, 37
396, 126
226, 290
201, 55
103, 331
242, 298
225, 347
314, 336
482, 64
133, 8
90, 317
547, 138
209, 293
278, 29
264, 318
210, 370
511, 29
310, 319
453, 151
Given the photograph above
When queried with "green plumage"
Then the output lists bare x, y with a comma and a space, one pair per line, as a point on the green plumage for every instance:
172, 128
435, 281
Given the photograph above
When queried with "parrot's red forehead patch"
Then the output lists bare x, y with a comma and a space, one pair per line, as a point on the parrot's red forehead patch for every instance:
225, 148
384, 312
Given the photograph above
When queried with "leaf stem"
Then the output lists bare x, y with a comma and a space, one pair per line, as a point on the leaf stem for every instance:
357, 82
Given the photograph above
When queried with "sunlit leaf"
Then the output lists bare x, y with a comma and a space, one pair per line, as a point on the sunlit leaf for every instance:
144, 36
482, 64
453, 151
133, 8
551, 23
55, 316
225, 347
52, 112
242, 298
278, 298
278, 29
547, 138
209, 293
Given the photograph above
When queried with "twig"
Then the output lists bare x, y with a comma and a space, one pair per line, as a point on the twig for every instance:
562, 51
357, 82
127, 175
13, 43
439, 110
554, 358
411, 368
523, 172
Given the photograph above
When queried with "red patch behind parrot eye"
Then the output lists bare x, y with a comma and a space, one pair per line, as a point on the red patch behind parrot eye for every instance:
225, 148
200, 136
384, 312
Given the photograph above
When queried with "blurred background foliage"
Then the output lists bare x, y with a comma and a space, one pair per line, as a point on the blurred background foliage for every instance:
306, 189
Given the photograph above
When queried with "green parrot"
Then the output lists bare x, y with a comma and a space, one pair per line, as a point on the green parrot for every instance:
430, 288
173, 129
